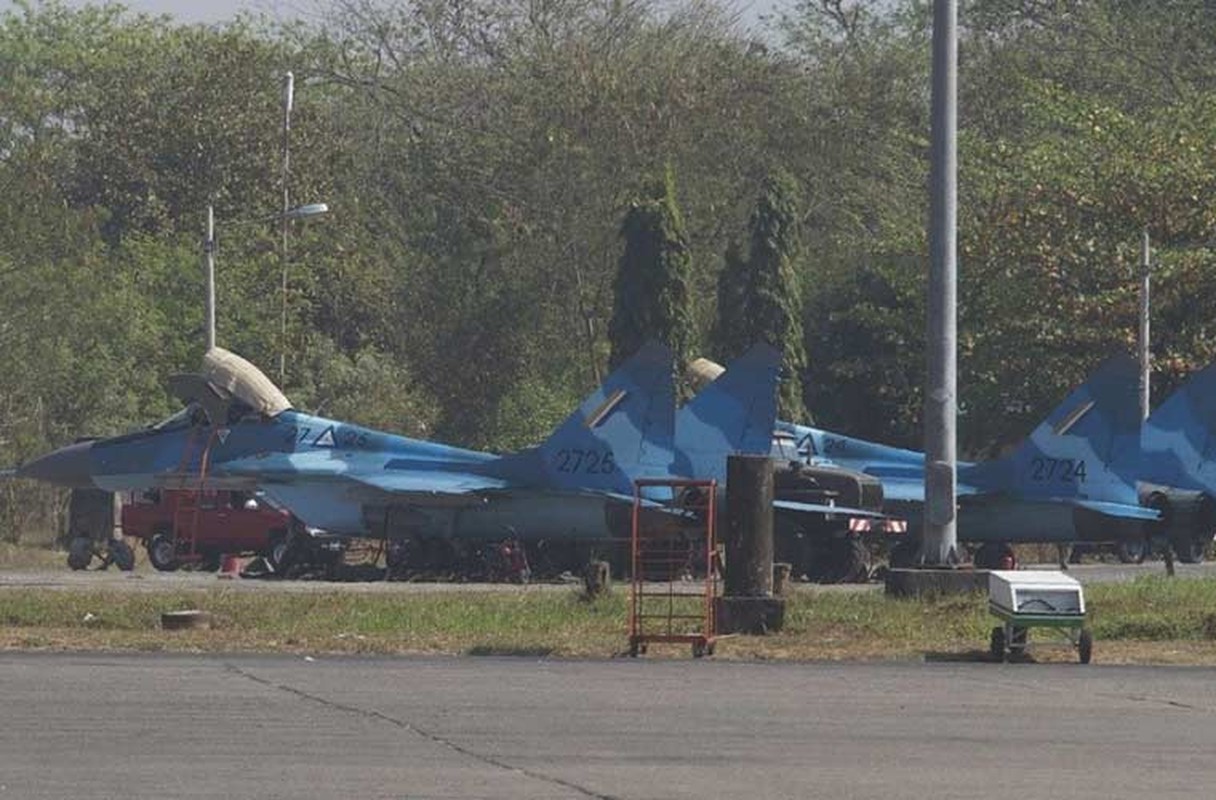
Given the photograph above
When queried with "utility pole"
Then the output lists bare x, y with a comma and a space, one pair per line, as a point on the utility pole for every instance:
288, 92
209, 260
1146, 266
941, 404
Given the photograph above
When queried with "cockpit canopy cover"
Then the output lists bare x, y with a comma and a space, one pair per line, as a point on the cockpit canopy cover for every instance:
230, 373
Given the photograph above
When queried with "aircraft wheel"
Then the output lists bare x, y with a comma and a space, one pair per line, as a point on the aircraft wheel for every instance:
162, 552
1188, 548
1131, 551
996, 644
122, 554
1085, 646
995, 555
80, 552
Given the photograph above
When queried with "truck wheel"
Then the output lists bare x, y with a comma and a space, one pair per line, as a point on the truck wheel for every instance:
903, 555
276, 555
122, 554
162, 553
80, 552
839, 561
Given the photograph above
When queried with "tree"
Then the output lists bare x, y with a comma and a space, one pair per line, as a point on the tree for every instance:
651, 291
760, 300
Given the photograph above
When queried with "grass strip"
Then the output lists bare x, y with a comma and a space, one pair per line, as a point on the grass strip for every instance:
1151, 620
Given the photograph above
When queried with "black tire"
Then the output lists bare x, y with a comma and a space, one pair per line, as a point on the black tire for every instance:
839, 561
80, 553
1132, 551
122, 555
277, 551
1085, 646
699, 649
991, 555
162, 553
903, 555
1189, 549
996, 643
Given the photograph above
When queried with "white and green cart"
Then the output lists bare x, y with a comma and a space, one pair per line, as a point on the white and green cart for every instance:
1025, 599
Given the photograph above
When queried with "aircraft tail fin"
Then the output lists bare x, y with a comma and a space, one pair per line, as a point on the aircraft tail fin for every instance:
736, 413
1179, 437
621, 431
1079, 450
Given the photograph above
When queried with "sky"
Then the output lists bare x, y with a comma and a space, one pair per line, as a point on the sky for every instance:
219, 10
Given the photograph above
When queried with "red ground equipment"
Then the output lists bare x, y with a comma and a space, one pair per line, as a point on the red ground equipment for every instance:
181, 526
675, 579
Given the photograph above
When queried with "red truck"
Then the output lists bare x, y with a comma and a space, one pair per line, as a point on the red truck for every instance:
219, 522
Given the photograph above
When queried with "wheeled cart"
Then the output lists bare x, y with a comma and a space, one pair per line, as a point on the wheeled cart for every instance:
667, 603
1036, 599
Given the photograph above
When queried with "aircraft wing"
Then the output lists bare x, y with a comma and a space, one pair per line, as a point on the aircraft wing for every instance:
328, 469
816, 508
1123, 510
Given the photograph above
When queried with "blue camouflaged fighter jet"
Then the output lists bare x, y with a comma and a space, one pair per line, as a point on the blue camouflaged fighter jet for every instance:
239, 431
1070, 480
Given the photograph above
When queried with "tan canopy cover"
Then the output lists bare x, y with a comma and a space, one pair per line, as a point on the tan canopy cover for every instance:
702, 371
230, 373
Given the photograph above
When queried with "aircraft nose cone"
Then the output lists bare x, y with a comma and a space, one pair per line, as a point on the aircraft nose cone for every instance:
71, 467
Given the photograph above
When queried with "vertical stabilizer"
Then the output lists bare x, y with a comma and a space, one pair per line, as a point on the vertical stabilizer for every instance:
622, 431
1086, 448
1178, 440
736, 413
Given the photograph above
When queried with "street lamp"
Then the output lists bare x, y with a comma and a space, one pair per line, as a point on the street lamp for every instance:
299, 212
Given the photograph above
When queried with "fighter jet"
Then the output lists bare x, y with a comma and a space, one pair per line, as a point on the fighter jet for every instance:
239, 431
1067, 481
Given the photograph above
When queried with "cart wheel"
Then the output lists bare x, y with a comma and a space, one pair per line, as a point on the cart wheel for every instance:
634, 649
997, 643
698, 649
1017, 642
1085, 645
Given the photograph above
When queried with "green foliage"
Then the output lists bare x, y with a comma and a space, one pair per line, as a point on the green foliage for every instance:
865, 337
477, 157
761, 300
652, 284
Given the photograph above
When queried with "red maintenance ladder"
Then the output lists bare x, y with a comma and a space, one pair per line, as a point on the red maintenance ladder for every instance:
189, 499
667, 604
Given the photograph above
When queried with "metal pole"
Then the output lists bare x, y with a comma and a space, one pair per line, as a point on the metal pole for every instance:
1146, 265
209, 253
940, 537
288, 92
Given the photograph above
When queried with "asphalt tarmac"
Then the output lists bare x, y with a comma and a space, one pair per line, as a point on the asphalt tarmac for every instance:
171, 726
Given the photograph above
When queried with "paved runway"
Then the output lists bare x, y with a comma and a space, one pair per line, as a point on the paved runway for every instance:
160, 726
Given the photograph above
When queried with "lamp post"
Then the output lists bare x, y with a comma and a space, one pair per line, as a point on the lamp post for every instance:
299, 212
288, 99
